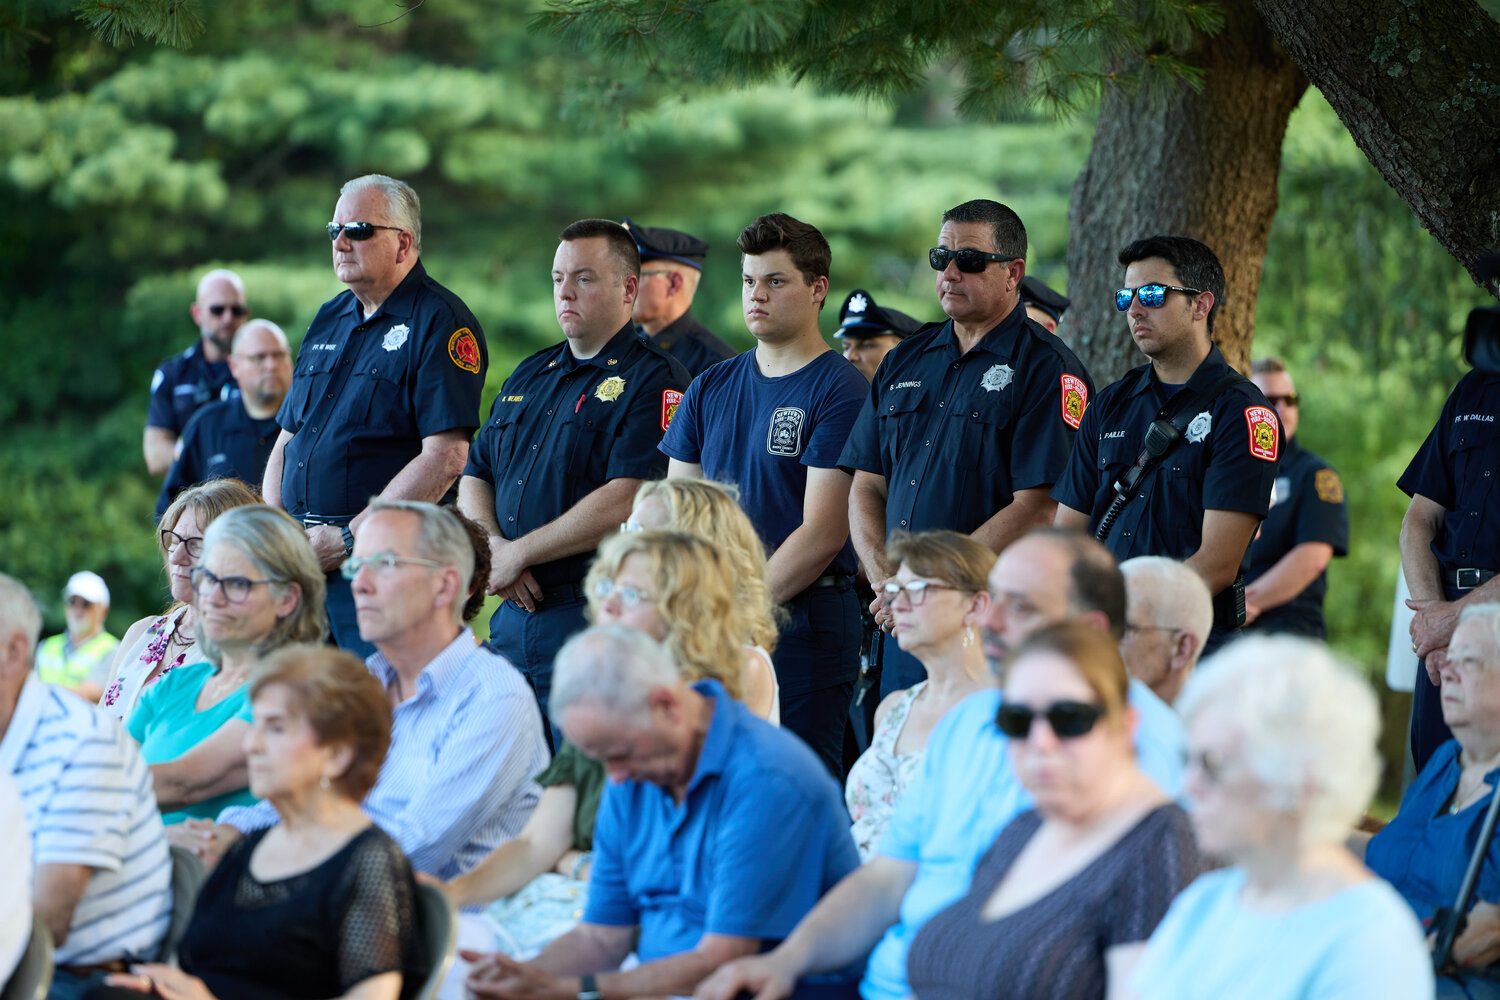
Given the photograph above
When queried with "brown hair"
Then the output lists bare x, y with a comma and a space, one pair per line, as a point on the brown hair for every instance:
950, 556
342, 702
809, 251
1093, 653
207, 500
479, 580
621, 244
1266, 366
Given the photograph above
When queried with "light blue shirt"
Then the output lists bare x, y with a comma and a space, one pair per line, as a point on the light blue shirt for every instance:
458, 778
1360, 943
957, 805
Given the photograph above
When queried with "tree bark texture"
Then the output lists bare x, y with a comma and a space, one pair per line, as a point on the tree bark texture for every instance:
1200, 163
1417, 83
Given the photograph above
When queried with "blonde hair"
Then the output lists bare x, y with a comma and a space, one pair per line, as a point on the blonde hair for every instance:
694, 596
711, 510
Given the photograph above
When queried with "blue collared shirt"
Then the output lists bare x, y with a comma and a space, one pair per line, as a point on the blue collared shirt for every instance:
458, 778
1454, 469
760, 835
951, 813
367, 389
220, 441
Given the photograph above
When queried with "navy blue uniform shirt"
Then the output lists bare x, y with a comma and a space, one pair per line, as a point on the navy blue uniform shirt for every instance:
183, 383
955, 435
1226, 460
365, 392
1307, 505
221, 441
1456, 467
561, 428
691, 343
761, 434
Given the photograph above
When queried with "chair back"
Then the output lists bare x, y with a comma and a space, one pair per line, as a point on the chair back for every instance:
440, 934
188, 877
33, 976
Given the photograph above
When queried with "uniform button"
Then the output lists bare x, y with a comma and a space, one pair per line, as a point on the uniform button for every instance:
1127, 534
927, 444
903, 524
549, 413
374, 371
346, 361
510, 519
914, 482
955, 365
533, 447
520, 482
1486, 472
974, 414
892, 407
940, 405
315, 430
330, 395
300, 464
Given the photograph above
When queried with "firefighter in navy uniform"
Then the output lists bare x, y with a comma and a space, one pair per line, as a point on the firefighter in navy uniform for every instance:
671, 267
572, 434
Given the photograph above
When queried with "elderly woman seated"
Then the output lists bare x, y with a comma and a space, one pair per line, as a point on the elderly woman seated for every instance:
322, 904
1283, 758
938, 598
1424, 851
257, 588
1064, 900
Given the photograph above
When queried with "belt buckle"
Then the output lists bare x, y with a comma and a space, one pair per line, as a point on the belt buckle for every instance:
1467, 578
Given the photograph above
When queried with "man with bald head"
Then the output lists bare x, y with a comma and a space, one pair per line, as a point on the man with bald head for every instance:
1168, 615
385, 393
200, 374
232, 438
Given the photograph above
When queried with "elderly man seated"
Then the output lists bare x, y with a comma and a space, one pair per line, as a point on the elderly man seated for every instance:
1168, 615
103, 877
466, 735
717, 831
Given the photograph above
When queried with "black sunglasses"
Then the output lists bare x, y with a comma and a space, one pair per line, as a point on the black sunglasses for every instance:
356, 231
1151, 296
1067, 719
237, 309
970, 261
1290, 399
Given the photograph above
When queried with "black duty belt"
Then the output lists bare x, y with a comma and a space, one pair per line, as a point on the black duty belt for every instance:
1468, 578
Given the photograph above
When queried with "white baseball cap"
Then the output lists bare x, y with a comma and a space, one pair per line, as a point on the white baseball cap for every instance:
89, 586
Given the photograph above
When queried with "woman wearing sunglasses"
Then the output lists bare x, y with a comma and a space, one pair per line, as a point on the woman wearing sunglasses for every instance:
257, 587
1283, 758
1062, 903
937, 598
158, 643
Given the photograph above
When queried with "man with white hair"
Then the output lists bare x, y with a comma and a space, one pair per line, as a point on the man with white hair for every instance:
1168, 615
385, 394
232, 438
716, 832
200, 374
102, 877
466, 735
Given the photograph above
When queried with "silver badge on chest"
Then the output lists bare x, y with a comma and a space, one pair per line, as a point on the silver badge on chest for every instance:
997, 378
1199, 428
395, 337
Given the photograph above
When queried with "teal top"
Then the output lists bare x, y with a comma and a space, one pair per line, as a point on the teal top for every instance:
167, 725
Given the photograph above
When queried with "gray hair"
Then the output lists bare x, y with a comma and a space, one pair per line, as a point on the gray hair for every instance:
1307, 723
278, 548
221, 274
613, 666
440, 538
1490, 615
1174, 593
19, 610
402, 206
254, 325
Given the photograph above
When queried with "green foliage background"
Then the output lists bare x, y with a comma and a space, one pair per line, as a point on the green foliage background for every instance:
126, 173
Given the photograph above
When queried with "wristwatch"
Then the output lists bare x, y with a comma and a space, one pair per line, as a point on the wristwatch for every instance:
348, 540
589, 989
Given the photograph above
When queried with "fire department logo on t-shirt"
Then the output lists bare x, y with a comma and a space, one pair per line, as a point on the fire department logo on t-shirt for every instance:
784, 438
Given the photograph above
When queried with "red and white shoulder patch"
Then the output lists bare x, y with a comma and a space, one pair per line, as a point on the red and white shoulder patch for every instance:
1265, 434
1075, 399
669, 400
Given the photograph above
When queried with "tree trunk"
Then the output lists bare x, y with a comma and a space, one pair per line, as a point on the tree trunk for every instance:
1417, 83
1197, 163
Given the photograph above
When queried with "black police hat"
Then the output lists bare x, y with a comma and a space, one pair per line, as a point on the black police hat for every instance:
667, 244
1038, 293
859, 316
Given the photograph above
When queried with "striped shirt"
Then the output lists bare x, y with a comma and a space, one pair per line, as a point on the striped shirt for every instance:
459, 777
89, 801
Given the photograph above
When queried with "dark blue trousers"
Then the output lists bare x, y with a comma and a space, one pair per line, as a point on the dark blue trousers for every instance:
530, 641
817, 663
343, 627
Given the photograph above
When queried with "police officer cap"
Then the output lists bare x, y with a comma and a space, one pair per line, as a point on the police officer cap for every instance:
859, 316
1036, 292
668, 244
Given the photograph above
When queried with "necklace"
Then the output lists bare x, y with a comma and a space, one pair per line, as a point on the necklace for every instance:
1462, 796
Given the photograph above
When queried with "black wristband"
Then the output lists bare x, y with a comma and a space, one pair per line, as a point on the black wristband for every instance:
589, 989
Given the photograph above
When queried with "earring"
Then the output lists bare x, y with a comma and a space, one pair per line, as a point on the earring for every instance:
968, 636
323, 783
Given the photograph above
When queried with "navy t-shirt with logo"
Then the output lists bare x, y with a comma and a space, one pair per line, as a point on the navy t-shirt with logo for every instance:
761, 434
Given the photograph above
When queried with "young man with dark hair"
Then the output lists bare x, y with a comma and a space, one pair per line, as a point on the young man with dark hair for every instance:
969, 422
570, 437
1203, 499
773, 421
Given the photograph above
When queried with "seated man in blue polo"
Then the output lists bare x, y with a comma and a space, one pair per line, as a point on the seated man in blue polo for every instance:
716, 834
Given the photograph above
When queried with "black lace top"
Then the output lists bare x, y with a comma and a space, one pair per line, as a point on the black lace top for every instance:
311, 936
